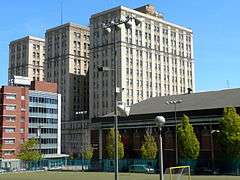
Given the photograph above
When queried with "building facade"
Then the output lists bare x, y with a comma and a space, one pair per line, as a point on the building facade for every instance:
45, 116
204, 109
13, 120
26, 58
155, 58
67, 58
30, 110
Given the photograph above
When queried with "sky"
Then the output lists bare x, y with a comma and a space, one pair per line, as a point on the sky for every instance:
215, 24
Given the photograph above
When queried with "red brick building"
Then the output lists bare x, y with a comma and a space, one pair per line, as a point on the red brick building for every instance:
13, 120
14, 114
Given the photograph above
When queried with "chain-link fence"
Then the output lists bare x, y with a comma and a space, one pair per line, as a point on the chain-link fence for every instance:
107, 165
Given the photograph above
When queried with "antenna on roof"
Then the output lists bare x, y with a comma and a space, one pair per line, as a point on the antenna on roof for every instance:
61, 12
228, 86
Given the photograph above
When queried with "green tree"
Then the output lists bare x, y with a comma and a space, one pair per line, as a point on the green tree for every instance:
149, 147
110, 144
28, 151
187, 141
88, 153
229, 136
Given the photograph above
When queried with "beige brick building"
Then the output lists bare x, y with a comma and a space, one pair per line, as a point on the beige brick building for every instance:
67, 58
154, 58
26, 58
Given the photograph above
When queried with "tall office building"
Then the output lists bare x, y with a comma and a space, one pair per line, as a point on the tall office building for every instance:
26, 58
66, 63
155, 58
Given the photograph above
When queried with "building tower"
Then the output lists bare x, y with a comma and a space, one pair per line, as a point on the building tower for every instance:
155, 58
67, 58
26, 58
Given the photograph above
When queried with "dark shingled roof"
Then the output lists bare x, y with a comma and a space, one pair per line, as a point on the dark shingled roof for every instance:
194, 101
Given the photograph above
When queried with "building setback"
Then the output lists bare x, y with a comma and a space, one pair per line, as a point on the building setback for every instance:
26, 58
30, 110
67, 58
154, 58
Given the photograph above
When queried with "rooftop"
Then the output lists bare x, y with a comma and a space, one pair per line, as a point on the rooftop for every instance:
143, 11
68, 24
28, 38
193, 101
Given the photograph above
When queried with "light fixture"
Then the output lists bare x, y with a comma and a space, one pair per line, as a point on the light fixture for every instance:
137, 21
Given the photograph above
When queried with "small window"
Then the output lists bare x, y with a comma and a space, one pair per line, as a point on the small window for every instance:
9, 130
10, 107
8, 152
10, 96
10, 119
9, 141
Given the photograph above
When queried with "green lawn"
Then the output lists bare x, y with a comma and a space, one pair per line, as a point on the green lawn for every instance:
96, 176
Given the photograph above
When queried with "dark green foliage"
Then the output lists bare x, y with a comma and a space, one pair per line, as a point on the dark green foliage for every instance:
187, 141
229, 136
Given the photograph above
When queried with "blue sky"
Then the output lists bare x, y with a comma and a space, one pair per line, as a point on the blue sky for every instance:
215, 23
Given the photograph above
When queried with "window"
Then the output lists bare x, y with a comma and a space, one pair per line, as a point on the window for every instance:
10, 107
10, 119
9, 141
9, 130
22, 97
10, 96
8, 152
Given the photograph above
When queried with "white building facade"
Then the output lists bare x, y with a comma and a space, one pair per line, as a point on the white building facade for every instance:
26, 58
154, 58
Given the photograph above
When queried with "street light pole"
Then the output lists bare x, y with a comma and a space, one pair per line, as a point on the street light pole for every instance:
175, 102
115, 108
113, 27
212, 147
160, 121
176, 137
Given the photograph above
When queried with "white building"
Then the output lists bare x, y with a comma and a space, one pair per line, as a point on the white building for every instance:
154, 58
26, 58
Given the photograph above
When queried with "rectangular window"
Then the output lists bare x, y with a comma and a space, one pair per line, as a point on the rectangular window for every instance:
10, 119
9, 130
8, 152
9, 141
10, 107
10, 96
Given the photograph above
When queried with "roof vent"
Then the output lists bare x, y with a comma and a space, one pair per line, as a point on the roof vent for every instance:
189, 90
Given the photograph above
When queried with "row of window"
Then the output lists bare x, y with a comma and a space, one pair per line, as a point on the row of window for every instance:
43, 110
49, 141
43, 120
43, 100
43, 131
48, 151
43, 151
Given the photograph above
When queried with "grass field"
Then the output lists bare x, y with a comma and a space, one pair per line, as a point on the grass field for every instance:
96, 176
